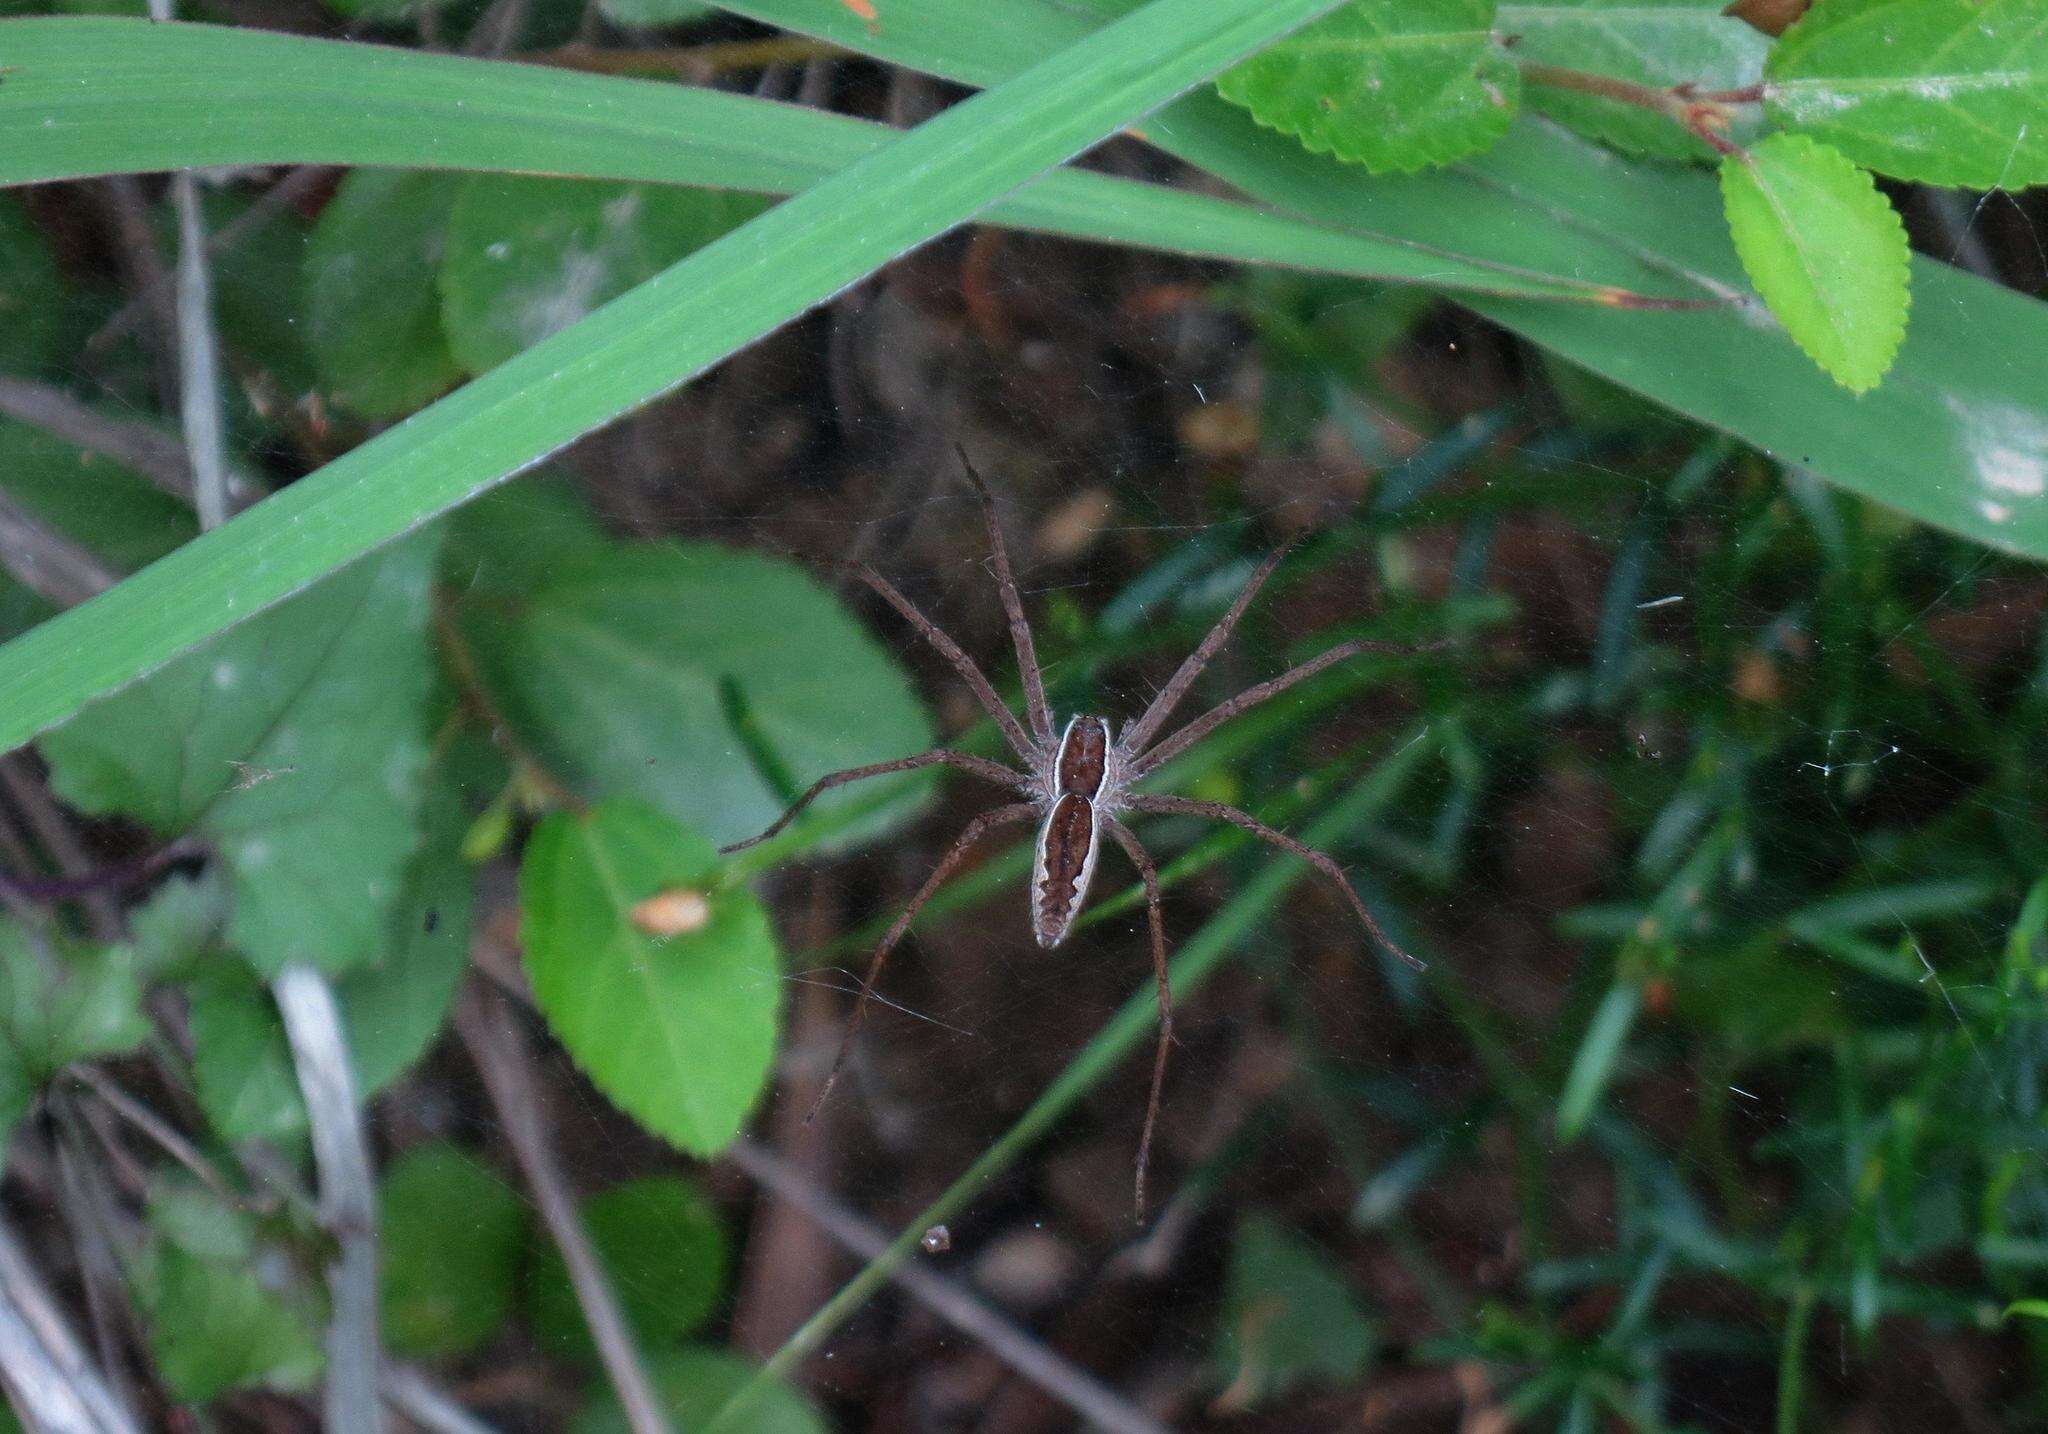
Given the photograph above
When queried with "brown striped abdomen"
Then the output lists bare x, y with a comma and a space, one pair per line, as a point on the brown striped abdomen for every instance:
1066, 852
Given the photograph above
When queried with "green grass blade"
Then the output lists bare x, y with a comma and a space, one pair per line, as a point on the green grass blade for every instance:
1957, 435
88, 96
647, 341
1593, 1065
1197, 960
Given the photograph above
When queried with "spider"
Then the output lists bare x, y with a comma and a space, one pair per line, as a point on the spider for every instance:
1075, 782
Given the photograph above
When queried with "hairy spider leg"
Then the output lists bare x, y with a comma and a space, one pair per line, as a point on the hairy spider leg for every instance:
1028, 670
979, 766
1001, 816
1158, 802
1149, 874
977, 682
1138, 733
1142, 762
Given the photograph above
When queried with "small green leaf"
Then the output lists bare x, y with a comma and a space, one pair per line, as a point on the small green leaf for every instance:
677, 1030
392, 1007
2027, 1309
1394, 85
373, 317
1659, 43
693, 1386
1289, 1318
294, 743
179, 924
225, 1311
528, 257
452, 1234
665, 1249
1942, 91
60, 1003
661, 669
241, 1065
1826, 251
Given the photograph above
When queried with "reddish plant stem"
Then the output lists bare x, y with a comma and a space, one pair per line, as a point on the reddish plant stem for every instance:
1702, 114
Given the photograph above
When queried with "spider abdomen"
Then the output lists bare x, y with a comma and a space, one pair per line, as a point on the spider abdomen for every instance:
1065, 860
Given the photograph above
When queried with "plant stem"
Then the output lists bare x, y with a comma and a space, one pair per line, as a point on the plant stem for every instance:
484, 1022
1703, 115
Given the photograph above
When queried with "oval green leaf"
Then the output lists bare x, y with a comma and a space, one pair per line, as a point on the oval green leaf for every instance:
373, 316
1394, 85
677, 1030
1825, 250
452, 1233
664, 1247
528, 257
294, 744
715, 684
1942, 91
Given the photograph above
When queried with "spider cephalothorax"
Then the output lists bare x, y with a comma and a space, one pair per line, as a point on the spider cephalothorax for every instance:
1074, 783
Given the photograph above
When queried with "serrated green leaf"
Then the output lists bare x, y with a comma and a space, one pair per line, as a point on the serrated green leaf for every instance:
391, 1007
294, 744
241, 1065
60, 1003
222, 1316
694, 1386
677, 1030
1825, 250
665, 1249
711, 682
373, 315
1942, 91
528, 257
394, 1007
198, 1221
180, 922
1651, 42
452, 1234
1289, 1318
1394, 85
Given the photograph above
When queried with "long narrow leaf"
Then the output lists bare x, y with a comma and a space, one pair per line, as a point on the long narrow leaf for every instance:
647, 341
88, 96
1957, 435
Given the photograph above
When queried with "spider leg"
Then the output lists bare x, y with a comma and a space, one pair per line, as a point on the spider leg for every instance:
979, 766
1161, 707
1001, 816
1149, 873
1012, 729
1020, 630
1142, 762
1217, 811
